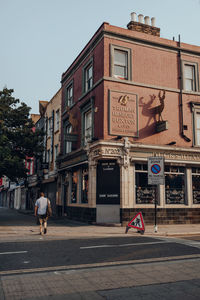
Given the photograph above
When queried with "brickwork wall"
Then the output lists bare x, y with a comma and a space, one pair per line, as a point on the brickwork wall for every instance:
164, 215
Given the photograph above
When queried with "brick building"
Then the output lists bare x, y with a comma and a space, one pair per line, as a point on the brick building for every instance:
130, 95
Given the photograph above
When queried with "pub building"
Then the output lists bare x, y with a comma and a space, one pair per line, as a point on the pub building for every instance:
128, 96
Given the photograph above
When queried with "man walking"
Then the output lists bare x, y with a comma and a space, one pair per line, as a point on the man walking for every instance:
41, 206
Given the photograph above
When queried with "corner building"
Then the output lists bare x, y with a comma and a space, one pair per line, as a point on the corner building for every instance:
130, 95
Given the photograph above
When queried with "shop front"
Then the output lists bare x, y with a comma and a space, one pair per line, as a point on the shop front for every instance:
111, 184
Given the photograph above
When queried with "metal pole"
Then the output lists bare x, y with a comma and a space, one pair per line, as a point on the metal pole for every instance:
155, 226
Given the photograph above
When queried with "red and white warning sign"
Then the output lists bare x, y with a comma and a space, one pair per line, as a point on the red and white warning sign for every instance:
137, 222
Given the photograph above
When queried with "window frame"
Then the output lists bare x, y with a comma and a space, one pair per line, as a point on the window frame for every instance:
195, 111
57, 120
67, 140
69, 101
85, 108
112, 61
85, 80
196, 76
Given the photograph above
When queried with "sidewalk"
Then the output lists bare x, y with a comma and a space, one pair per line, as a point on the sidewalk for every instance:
15, 226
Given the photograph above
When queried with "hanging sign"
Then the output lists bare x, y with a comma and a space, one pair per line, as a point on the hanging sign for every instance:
137, 222
156, 170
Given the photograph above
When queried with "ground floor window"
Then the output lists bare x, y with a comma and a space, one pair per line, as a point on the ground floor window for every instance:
84, 185
145, 194
174, 185
196, 185
74, 185
79, 183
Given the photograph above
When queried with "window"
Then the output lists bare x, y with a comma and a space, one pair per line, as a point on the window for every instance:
88, 76
84, 186
145, 194
174, 185
190, 71
57, 120
196, 185
120, 62
196, 124
68, 142
87, 121
74, 186
88, 126
69, 95
49, 127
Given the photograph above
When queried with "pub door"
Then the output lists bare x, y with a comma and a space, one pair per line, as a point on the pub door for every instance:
108, 192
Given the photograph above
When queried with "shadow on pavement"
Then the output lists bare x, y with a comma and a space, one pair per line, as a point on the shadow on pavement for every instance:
12, 217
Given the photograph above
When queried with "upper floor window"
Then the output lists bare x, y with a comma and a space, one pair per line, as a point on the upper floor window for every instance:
69, 95
57, 120
88, 76
49, 126
68, 142
120, 62
196, 123
190, 79
87, 121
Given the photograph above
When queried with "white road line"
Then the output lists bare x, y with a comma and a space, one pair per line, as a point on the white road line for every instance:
126, 245
16, 252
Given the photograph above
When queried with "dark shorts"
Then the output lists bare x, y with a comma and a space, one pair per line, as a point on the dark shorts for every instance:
43, 217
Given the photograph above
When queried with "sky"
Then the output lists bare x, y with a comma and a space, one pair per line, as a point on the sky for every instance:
39, 39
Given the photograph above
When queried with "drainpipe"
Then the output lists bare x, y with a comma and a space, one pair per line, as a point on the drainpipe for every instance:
187, 139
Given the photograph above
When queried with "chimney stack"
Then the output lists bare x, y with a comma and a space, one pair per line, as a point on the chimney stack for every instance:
143, 24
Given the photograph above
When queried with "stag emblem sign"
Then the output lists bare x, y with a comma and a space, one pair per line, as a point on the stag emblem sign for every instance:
155, 112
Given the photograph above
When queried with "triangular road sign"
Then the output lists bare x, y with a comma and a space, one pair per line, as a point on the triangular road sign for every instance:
137, 222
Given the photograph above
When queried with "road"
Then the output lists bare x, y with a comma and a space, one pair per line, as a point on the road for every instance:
120, 267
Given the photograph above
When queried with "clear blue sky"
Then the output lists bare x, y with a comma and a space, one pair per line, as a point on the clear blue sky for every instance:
39, 39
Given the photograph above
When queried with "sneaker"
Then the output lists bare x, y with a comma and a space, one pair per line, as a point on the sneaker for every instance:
45, 230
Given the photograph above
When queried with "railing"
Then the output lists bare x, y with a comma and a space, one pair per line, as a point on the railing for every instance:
175, 196
145, 195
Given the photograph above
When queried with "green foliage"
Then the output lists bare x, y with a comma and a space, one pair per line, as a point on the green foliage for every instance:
17, 138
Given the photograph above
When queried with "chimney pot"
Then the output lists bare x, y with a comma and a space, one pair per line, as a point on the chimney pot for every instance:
140, 18
147, 20
133, 17
153, 22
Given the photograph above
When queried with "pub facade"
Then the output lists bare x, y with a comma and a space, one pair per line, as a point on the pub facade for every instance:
128, 96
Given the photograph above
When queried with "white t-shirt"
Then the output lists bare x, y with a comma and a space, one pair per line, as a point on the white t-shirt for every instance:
41, 203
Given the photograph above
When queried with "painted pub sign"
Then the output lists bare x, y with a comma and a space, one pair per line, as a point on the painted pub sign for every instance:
123, 114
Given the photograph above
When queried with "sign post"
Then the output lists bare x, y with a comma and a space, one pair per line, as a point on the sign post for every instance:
156, 177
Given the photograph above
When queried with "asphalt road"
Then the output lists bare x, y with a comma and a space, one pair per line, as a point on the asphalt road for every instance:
45, 254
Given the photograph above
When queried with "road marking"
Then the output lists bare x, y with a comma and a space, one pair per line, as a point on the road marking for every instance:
126, 245
16, 252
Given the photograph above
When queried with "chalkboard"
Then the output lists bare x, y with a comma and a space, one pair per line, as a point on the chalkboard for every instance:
108, 182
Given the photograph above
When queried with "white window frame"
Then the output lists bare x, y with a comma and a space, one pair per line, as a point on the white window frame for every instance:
194, 79
87, 126
128, 69
88, 79
196, 124
68, 144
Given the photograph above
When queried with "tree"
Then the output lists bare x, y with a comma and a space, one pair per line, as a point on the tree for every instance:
17, 138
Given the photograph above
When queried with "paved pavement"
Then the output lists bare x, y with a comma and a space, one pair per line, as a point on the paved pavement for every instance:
19, 226
166, 278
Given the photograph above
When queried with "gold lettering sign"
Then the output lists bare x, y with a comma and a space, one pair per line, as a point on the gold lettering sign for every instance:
123, 114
